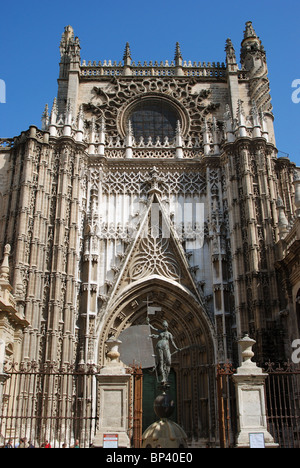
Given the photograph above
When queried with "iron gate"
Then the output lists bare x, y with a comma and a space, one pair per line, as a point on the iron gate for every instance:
282, 391
283, 403
226, 405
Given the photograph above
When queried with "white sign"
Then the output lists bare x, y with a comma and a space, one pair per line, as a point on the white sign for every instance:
110, 441
257, 440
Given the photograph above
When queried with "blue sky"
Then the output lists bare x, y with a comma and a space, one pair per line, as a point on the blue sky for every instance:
30, 33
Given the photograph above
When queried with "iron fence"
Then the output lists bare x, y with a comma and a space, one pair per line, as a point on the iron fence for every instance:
49, 404
59, 404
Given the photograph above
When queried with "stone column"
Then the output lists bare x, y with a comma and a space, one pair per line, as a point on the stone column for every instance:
113, 395
250, 393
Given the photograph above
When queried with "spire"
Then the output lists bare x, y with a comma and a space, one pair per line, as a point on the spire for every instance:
53, 119
254, 62
45, 118
69, 45
251, 44
230, 53
178, 56
127, 55
178, 60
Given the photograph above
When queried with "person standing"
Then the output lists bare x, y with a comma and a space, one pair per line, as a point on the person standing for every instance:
9, 444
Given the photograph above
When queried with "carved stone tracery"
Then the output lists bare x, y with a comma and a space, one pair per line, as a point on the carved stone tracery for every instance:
114, 103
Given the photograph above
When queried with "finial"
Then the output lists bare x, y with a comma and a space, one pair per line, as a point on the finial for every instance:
113, 350
249, 31
93, 125
68, 33
256, 122
283, 223
215, 136
178, 128
4, 269
241, 119
68, 114
247, 343
206, 138
127, 55
68, 44
178, 56
230, 53
102, 127
45, 118
80, 117
228, 120
178, 141
53, 115
129, 139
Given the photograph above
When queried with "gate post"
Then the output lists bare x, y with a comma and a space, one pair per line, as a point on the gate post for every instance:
250, 395
113, 395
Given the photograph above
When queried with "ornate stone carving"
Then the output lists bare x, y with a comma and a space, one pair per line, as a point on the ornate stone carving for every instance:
114, 101
154, 257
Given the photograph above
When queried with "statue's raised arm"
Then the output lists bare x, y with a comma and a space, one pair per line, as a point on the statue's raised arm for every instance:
152, 327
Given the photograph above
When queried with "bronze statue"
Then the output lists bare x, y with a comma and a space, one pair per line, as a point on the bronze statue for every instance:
163, 349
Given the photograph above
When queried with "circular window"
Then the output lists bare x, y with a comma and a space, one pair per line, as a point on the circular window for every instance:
153, 118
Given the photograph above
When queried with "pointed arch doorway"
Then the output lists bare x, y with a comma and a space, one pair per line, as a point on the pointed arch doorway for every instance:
193, 371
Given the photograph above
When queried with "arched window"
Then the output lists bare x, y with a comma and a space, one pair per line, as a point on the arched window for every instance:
154, 118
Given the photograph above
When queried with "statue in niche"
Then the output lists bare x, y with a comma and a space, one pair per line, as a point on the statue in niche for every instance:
164, 356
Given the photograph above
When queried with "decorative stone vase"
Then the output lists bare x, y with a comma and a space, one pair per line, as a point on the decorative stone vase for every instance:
113, 350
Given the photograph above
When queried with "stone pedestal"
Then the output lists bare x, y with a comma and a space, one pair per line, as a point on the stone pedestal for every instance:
250, 382
113, 397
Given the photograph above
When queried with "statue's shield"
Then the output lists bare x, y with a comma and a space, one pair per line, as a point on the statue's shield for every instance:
137, 346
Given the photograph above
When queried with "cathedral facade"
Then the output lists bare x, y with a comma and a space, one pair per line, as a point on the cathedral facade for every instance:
160, 184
